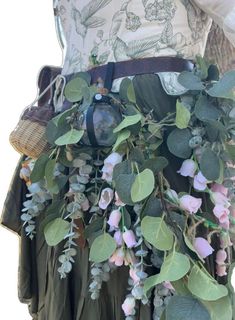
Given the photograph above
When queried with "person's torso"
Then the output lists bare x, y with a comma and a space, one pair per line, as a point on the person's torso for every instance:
99, 31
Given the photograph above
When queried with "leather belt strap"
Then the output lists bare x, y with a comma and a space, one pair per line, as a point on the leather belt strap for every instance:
142, 66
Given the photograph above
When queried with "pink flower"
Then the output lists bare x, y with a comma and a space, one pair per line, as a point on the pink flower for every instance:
128, 306
118, 257
118, 201
200, 182
190, 204
221, 256
221, 213
188, 168
216, 187
221, 270
133, 275
219, 198
118, 237
202, 247
105, 198
109, 164
129, 238
114, 218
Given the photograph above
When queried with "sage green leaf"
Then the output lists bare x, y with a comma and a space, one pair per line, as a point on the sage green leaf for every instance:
123, 167
102, 248
205, 110
155, 164
191, 247
163, 315
220, 309
180, 287
38, 172
143, 185
224, 87
85, 76
210, 165
183, 116
74, 89
190, 81
156, 232
71, 137
122, 136
95, 226
178, 143
136, 155
131, 93
123, 184
202, 66
50, 178
231, 151
185, 308
175, 266
124, 89
152, 207
128, 121
203, 286
55, 231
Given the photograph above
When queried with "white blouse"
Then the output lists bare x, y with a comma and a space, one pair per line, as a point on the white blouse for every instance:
98, 31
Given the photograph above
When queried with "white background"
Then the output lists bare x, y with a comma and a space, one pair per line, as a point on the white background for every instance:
28, 41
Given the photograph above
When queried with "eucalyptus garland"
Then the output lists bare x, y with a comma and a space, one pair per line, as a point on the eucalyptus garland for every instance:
131, 214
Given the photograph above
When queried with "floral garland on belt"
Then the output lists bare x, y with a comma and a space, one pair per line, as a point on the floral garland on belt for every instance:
131, 215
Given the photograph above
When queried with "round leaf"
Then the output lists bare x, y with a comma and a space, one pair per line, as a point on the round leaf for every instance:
74, 89
185, 308
142, 186
205, 110
55, 231
156, 232
182, 116
123, 185
178, 143
128, 121
205, 287
210, 165
71, 137
223, 88
190, 81
102, 248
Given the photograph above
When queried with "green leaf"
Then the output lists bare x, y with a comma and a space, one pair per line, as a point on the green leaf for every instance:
85, 76
190, 81
156, 164
231, 151
123, 184
122, 136
38, 172
191, 247
178, 143
71, 137
136, 155
131, 93
156, 232
93, 227
203, 67
185, 308
128, 121
182, 116
74, 89
224, 87
204, 286
123, 167
102, 248
210, 165
180, 287
143, 185
50, 178
220, 309
205, 110
55, 231
123, 90
152, 208
175, 266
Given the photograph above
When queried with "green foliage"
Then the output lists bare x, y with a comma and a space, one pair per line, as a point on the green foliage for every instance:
102, 248
220, 309
210, 165
190, 81
71, 137
203, 286
122, 136
74, 89
38, 172
205, 109
55, 231
123, 185
156, 232
185, 308
51, 184
178, 143
131, 93
143, 185
182, 116
156, 165
224, 87
128, 121
94, 227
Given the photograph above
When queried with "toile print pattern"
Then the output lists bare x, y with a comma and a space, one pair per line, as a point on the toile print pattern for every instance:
98, 31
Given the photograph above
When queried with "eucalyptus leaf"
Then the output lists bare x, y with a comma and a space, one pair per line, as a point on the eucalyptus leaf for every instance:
128, 121
131, 93
123, 167
155, 164
50, 178
157, 233
124, 89
205, 110
185, 308
55, 231
220, 309
203, 67
191, 247
38, 172
230, 148
204, 286
178, 143
123, 184
102, 248
224, 87
94, 226
210, 165
122, 136
71, 137
152, 208
136, 155
143, 185
183, 116
190, 81
74, 89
